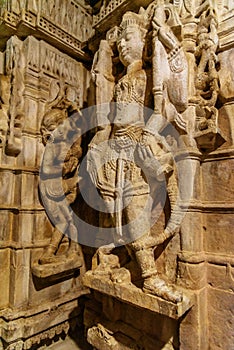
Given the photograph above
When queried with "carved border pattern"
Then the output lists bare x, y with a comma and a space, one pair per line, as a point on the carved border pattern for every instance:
37, 339
42, 57
48, 30
113, 4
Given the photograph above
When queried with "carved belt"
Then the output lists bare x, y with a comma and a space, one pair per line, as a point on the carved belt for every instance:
126, 138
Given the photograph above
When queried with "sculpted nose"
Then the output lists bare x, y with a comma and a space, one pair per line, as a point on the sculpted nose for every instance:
122, 43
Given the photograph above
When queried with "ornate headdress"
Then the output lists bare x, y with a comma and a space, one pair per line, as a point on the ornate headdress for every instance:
131, 18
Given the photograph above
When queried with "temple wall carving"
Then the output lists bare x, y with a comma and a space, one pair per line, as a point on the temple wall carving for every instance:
67, 23
33, 74
116, 174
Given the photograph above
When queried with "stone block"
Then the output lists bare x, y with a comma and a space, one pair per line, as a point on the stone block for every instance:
27, 158
226, 74
193, 329
191, 275
218, 174
23, 227
6, 219
7, 191
220, 316
191, 231
27, 190
226, 124
44, 228
31, 109
220, 277
218, 235
19, 277
4, 277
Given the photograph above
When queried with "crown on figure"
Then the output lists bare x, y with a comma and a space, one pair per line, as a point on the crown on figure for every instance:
133, 19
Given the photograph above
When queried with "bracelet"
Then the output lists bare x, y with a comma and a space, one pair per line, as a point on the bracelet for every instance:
174, 52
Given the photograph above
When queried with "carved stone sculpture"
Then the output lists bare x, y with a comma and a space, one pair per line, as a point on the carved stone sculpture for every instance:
156, 266
135, 151
60, 165
207, 133
4, 106
12, 90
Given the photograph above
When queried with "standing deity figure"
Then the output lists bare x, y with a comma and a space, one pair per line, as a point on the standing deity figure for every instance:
128, 150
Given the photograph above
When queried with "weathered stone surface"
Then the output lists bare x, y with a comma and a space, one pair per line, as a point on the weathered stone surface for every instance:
221, 307
5, 276
144, 199
129, 293
219, 238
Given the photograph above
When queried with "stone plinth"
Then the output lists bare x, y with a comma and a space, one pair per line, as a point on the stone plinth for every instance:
129, 293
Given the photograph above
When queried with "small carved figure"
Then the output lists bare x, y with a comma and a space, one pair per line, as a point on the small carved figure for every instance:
207, 82
206, 53
59, 178
15, 70
4, 105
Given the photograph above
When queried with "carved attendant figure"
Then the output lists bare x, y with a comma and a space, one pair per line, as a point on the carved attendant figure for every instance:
59, 165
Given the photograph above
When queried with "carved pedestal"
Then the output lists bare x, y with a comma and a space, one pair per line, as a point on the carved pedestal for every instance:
130, 318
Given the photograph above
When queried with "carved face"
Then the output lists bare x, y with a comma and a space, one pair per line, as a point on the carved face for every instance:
51, 121
130, 45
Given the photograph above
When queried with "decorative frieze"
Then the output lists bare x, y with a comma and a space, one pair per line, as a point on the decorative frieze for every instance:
67, 24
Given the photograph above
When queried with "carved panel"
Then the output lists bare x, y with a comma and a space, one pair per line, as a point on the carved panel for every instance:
12, 97
207, 133
67, 22
68, 15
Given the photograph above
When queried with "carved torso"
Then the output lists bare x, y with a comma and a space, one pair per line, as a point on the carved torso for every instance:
130, 96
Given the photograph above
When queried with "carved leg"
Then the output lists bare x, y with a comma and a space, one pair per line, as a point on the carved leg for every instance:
173, 225
145, 260
74, 250
152, 242
103, 261
49, 252
153, 284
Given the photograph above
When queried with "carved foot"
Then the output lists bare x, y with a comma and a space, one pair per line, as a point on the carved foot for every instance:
121, 275
48, 256
107, 264
158, 287
106, 249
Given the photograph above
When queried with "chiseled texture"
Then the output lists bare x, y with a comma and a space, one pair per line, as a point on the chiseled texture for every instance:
155, 271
